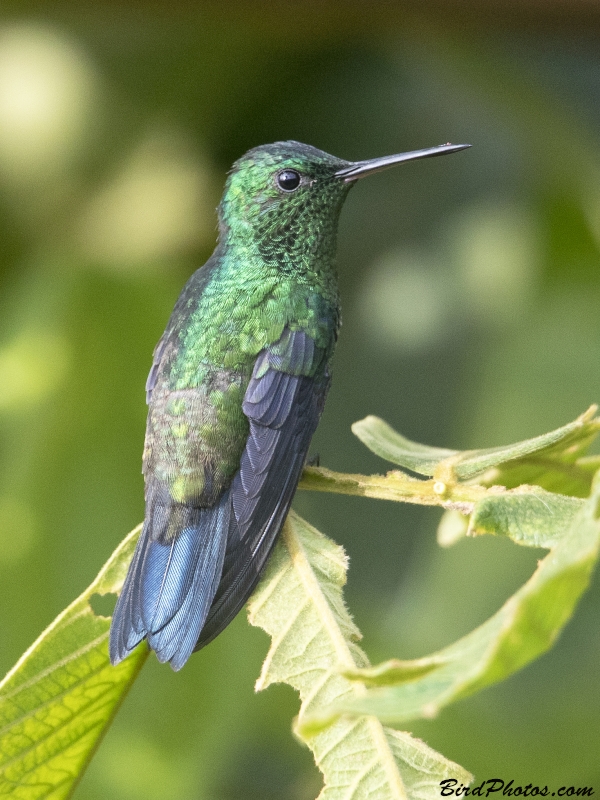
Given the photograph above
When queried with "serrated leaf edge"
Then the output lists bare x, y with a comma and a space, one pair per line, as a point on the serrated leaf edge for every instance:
380, 735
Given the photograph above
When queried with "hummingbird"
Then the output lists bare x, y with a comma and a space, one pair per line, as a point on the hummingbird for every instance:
236, 389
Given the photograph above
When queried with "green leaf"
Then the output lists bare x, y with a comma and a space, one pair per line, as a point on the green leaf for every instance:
524, 628
553, 474
559, 469
528, 515
387, 443
394, 671
566, 443
59, 698
299, 603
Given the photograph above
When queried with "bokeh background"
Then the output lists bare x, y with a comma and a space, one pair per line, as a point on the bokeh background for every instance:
471, 290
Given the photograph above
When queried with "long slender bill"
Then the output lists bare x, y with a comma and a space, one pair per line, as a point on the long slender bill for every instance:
361, 168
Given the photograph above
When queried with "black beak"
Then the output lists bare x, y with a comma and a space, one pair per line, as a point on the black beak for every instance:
359, 169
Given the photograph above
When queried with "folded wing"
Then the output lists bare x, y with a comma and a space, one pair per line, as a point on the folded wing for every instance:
283, 403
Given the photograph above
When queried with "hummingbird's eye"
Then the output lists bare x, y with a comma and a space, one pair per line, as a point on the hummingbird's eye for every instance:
288, 180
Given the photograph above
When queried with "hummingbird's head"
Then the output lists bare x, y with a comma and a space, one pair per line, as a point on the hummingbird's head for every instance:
284, 199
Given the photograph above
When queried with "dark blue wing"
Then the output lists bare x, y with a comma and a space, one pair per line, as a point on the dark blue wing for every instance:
283, 403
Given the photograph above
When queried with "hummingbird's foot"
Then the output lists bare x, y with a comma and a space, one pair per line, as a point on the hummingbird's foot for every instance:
313, 461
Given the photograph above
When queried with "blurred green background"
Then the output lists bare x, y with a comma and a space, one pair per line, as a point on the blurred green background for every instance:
471, 290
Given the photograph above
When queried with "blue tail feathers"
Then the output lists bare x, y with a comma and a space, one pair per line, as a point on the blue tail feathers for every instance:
171, 582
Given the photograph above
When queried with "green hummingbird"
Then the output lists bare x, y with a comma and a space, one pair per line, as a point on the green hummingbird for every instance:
235, 392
